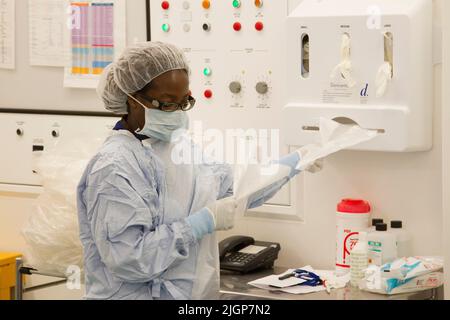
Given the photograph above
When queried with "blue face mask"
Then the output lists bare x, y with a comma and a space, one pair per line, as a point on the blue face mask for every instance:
163, 125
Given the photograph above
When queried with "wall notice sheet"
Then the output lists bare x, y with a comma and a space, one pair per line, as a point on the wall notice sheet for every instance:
7, 34
49, 33
97, 36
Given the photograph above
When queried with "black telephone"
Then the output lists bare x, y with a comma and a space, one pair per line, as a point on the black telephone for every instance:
243, 254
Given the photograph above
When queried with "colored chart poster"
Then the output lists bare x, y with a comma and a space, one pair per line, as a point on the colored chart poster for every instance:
7, 34
97, 36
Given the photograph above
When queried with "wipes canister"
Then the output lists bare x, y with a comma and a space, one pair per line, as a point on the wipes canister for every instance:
352, 217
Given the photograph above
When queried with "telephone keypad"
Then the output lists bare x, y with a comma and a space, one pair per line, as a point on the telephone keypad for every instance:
243, 258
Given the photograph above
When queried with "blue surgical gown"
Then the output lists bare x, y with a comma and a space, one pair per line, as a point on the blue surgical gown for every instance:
137, 243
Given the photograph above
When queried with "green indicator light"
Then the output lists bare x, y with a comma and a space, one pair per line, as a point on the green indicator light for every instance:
165, 27
236, 3
207, 72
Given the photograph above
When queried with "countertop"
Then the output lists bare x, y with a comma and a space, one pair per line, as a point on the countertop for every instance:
233, 286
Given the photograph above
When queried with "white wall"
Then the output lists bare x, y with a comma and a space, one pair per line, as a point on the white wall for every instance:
399, 186
446, 141
31, 87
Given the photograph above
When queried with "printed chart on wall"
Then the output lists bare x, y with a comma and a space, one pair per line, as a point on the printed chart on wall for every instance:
7, 34
98, 34
49, 34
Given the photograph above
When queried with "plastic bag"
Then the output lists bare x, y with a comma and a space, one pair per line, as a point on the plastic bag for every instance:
257, 177
404, 275
52, 231
334, 137
252, 177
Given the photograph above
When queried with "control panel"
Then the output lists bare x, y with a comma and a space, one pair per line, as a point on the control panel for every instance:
235, 50
25, 135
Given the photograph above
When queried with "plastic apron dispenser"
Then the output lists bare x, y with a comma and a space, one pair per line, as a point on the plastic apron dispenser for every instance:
361, 62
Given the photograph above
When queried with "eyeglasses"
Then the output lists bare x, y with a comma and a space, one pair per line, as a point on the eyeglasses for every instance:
169, 106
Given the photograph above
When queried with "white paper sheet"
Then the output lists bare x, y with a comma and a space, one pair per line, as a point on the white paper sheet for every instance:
7, 34
98, 36
49, 35
272, 283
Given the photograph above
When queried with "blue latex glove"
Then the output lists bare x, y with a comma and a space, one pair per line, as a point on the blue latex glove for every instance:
202, 223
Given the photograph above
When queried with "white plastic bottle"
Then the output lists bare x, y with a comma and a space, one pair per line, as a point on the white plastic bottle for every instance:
382, 246
358, 260
403, 239
352, 217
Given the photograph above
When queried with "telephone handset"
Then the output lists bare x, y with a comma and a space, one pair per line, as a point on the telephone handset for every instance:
244, 254
234, 243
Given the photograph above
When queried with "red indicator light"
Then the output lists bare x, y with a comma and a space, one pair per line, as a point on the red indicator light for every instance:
259, 26
208, 94
165, 5
237, 26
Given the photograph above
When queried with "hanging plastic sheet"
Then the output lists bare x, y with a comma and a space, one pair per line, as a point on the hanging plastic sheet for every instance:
52, 232
252, 178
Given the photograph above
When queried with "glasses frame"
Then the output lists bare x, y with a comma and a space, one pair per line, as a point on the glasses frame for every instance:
168, 106
311, 279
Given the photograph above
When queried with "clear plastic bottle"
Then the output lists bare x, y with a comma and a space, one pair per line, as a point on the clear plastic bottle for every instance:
382, 246
403, 239
358, 260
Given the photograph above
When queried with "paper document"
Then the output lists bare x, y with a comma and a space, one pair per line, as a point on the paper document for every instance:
7, 34
49, 33
272, 283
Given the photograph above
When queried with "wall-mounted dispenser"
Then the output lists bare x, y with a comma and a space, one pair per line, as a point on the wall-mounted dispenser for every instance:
368, 62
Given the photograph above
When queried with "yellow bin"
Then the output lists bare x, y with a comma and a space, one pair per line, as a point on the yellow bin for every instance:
8, 274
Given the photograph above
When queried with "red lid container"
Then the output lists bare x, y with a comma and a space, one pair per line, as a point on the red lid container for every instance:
355, 206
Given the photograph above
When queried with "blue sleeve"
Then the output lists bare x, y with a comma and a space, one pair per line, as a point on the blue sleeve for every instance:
125, 229
259, 198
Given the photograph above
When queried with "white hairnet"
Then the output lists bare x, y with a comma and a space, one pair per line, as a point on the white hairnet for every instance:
136, 68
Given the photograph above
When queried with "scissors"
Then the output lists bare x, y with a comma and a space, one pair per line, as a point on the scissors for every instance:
311, 279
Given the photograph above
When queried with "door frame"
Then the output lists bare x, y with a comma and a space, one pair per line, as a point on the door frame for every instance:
446, 142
